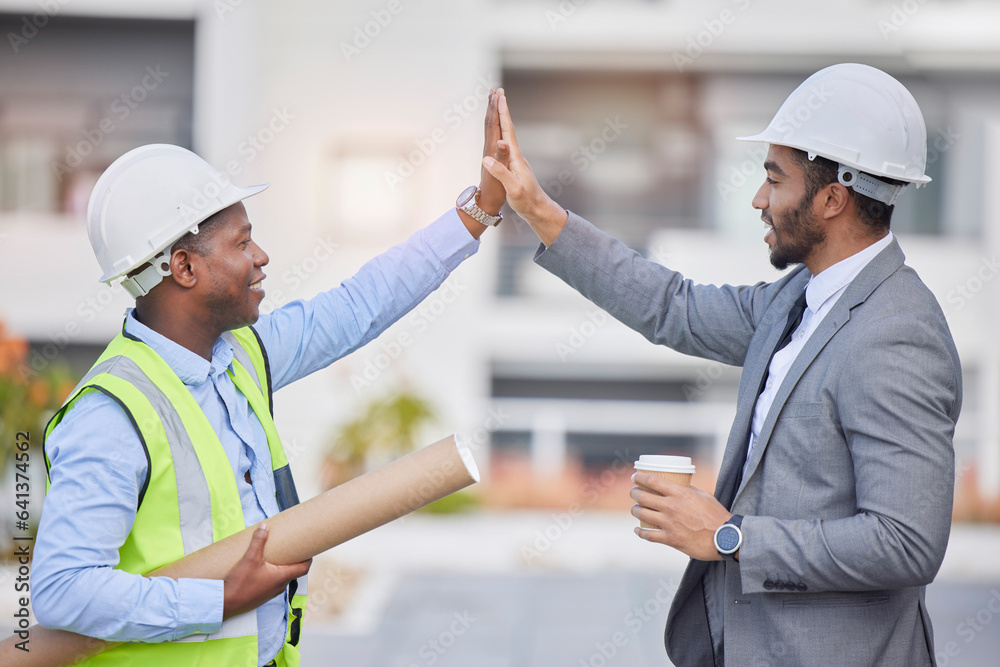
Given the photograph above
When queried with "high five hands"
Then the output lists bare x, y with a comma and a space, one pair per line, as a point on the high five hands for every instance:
491, 195
524, 194
687, 517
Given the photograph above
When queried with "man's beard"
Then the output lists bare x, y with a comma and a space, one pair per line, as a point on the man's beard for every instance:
798, 236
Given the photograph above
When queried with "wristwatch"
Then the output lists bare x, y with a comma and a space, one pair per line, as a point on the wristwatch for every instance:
467, 202
729, 538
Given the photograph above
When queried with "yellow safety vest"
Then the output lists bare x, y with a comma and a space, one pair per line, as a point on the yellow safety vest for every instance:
190, 499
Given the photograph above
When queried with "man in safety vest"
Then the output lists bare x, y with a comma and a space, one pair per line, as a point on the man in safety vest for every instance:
168, 443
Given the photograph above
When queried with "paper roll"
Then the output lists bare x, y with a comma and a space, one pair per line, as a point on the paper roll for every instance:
297, 534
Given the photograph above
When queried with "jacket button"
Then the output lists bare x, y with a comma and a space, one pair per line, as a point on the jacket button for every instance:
802, 587
768, 584
780, 585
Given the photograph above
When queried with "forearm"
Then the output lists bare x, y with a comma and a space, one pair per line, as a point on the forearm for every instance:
117, 606
704, 321
862, 552
305, 336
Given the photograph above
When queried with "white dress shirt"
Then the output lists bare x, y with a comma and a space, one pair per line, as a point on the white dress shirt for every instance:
822, 293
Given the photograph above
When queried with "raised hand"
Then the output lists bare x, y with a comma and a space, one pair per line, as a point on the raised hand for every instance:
253, 581
524, 194
492, 195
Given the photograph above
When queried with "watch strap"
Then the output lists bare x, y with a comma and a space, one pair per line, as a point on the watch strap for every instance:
479, 215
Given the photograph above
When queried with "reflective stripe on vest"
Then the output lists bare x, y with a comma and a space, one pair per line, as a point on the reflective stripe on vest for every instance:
194, 499
180, 447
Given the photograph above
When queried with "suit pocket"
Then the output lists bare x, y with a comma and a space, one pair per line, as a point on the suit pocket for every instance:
825, 600
801, 410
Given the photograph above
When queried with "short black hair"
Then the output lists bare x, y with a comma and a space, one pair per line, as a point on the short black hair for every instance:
820, 172
200, 243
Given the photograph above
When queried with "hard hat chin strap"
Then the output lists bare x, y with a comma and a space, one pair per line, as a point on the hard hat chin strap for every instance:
868, 186
143, 282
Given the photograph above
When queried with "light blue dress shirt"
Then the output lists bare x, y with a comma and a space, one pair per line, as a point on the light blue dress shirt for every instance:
98, 465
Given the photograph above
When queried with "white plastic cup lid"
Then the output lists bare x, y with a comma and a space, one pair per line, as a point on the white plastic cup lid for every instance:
681, 464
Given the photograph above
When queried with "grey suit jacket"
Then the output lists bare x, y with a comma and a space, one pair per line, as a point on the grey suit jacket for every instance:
848, 491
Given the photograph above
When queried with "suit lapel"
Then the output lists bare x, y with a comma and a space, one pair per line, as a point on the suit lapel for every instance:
834, 320
754, 368
881, 267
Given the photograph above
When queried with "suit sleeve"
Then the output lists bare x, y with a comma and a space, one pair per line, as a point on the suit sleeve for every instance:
701, 320
897, 402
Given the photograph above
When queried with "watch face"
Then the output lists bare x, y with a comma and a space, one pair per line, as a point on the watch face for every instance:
727, 539
467, 194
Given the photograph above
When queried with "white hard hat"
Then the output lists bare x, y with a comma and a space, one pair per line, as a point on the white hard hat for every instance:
861, 118
147, 199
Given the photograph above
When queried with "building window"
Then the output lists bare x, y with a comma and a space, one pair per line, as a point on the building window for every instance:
79, 93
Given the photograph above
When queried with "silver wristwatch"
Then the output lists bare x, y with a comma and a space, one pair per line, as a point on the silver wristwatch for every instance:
467, 202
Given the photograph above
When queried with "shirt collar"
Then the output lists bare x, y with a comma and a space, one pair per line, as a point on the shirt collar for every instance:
189, 367
830, 281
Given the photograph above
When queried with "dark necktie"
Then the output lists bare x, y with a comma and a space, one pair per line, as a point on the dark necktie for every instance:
791, 324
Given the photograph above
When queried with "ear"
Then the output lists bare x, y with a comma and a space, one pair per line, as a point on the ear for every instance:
182, 269
833, 200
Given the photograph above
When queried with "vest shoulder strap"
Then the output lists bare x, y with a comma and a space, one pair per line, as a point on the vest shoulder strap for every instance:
251, 354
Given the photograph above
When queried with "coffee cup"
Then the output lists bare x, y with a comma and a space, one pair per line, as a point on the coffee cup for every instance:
677, 469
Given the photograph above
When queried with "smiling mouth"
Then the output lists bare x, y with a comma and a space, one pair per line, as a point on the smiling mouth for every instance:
769, 230
256, 285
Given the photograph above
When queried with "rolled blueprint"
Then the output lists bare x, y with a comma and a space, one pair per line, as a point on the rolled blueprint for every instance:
297, 534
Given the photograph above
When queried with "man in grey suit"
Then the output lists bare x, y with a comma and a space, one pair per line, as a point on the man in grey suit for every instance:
833, 504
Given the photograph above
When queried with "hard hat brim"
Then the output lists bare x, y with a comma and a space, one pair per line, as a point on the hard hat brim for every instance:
765, 138
234, 194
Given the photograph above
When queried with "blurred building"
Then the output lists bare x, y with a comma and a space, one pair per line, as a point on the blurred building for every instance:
367, 120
